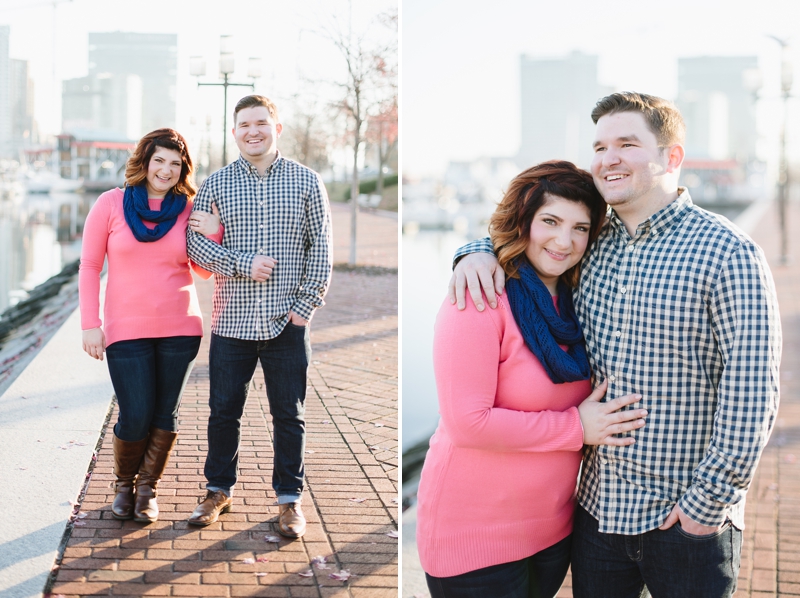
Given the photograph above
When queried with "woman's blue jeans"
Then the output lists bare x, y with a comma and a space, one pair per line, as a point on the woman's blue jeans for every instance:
232, 363
149, 375
537, 576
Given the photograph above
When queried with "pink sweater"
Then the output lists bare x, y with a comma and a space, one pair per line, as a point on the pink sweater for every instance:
150, 292
499, 479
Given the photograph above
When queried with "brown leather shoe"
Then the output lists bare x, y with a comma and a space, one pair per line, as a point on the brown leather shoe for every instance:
152, 468
207, 512
291, 522
127, 457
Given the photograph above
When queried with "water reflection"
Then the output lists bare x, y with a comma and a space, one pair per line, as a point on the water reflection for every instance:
39, 234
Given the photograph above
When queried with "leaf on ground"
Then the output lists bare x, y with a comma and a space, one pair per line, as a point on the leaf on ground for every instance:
275, 539
248, 561
358, 499
262, 559
79, 523
395, 501
326, 421
308, 573
261, 574
378, 425
82, 515
393, 534
310, 452
342, 575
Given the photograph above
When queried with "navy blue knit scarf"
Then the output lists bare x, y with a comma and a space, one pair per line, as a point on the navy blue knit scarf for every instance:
544, 328
137, 208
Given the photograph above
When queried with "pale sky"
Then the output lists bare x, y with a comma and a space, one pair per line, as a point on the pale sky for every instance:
460, 61
281, 33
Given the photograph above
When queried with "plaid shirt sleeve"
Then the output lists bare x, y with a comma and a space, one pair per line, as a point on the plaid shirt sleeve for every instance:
210, 255
746, 325
478, 246
319, 253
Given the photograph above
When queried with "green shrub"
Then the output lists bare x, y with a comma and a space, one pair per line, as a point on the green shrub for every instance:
369, 186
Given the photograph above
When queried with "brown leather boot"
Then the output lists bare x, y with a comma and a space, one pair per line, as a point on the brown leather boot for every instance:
153, 465
127, 457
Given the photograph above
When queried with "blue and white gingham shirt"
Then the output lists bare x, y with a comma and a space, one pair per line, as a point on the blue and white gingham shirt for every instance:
283, 215
685, 314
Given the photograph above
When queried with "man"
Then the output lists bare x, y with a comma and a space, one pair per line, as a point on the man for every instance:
678, 305
272, 271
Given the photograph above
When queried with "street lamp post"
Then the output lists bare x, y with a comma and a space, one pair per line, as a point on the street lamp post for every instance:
197, 68
783, 170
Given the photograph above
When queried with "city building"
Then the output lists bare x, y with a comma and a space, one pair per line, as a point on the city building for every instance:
718, 108
721, 137
557, 97
21, 105
6, 146
130, 87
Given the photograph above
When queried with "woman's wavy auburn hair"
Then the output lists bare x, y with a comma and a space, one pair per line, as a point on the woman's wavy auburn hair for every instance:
138, 163
510, 225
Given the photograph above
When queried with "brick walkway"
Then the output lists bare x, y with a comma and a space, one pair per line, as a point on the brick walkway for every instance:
352, 448
771, 552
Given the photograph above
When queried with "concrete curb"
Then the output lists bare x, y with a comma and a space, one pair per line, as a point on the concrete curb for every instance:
50, 420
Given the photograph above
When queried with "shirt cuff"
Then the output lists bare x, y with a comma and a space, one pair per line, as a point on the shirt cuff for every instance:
702, 509
244, 265
480, 246
303, 309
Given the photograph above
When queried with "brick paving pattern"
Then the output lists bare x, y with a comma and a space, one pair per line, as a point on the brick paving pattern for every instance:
351, 468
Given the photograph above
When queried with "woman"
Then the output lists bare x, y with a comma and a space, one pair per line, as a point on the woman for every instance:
497, 492
153, 322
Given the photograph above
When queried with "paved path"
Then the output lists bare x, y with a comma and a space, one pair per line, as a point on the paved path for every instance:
771, 550
351, 464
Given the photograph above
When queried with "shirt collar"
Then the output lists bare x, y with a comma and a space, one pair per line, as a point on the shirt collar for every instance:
662, 220
250, 169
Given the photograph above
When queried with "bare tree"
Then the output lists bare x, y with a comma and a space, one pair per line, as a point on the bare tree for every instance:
371, 79
382, 133
305, 136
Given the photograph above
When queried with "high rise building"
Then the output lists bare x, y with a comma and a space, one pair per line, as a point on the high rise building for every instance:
718, 109
130, 87
6, 146
557, 97
21, 105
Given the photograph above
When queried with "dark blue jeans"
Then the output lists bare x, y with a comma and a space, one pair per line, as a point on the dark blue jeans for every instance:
232, 363
149, 375
537, 576
669, 563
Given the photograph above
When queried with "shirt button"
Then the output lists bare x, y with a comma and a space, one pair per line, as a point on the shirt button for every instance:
261, 203
260, 226
612, 378
603, 460
623, 290
618, 334
629, 248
